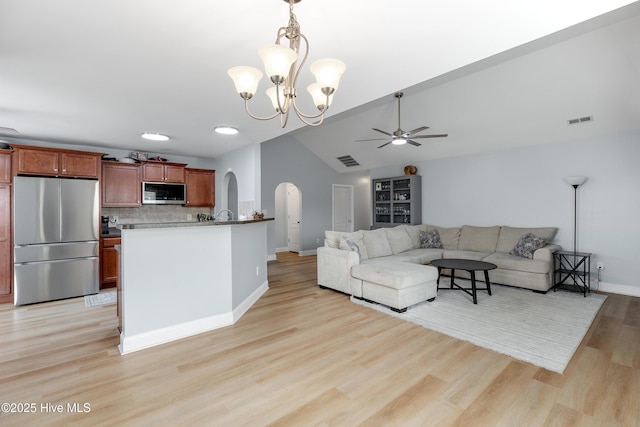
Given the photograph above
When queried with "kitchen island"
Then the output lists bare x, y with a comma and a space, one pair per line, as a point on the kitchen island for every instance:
183, 278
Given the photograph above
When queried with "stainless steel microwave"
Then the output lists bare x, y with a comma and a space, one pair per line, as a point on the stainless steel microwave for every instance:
163, 193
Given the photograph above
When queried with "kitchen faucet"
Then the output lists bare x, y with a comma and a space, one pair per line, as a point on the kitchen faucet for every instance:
229, 214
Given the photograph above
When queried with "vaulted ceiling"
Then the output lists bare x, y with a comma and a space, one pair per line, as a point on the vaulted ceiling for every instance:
492, 75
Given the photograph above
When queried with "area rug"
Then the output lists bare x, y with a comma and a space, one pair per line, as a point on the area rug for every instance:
102, 298
542, 329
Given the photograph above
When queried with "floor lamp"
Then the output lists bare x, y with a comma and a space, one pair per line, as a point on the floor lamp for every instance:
575, 182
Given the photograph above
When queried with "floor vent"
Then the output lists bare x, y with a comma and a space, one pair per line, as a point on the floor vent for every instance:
579, 120
348, 161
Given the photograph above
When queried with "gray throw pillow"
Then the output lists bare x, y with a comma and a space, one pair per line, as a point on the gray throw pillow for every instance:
527, 245
430, 239
353, 246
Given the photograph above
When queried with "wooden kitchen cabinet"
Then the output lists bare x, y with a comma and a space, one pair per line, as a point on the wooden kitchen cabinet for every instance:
56, 162
6, 270
120, 185
108, 262
163, 172
200, 187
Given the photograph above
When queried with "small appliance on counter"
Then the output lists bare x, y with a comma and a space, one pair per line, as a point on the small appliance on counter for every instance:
104, 229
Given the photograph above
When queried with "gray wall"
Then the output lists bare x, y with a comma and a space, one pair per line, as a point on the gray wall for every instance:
525, 187
285, 160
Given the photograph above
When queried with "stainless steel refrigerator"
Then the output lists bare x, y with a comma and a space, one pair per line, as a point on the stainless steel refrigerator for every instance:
56, 238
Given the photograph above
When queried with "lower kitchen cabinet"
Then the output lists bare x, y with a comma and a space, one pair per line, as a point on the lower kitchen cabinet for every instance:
108, 262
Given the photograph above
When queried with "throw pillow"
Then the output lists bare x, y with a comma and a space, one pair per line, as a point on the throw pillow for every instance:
527, 245
353, 246
430, 239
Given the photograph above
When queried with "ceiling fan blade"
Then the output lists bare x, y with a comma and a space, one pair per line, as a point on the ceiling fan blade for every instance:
385, 144
442, 135
381, 131
416, 130
374, 139
417, 144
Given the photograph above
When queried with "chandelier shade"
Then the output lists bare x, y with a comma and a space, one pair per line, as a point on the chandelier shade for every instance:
282, 65
327, 73
277, 61
246, 80
319, 98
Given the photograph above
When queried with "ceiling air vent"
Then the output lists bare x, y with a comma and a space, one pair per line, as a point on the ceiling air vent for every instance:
348, 161
579, 120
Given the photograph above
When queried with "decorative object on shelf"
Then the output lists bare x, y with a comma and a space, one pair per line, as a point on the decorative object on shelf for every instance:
258, 215
143, 157
575, 182
280, 64
410, 170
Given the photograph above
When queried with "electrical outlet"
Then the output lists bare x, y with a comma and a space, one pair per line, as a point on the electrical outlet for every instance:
318, 240
189, 217
257, 270
600, 265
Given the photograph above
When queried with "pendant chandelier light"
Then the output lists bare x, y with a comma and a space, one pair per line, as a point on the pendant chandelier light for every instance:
281, 66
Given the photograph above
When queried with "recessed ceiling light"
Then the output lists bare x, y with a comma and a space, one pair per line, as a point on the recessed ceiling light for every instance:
154, 136
226, 130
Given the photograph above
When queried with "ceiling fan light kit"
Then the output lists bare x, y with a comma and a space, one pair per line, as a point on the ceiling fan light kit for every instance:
400, 137
282, 68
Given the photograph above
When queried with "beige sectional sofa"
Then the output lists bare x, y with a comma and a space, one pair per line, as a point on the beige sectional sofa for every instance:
348, 261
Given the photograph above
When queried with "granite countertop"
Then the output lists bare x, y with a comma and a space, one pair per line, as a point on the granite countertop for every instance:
113, 232
143, 225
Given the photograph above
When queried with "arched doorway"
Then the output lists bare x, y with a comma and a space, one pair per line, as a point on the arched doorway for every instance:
229, 199
288, 214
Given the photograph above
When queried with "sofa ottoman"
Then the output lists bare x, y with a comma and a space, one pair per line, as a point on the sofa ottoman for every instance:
397, 285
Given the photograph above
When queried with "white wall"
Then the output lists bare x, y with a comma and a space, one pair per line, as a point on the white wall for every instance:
525, 187
285, 160
245, 164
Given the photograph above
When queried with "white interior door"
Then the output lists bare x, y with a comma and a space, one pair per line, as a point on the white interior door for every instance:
342, 208
293, 217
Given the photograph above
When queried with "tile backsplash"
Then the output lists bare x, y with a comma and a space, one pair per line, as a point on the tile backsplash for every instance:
155, 213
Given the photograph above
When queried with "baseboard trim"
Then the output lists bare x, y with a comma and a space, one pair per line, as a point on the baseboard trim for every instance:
633, 291
188, 329
245, 305
285, 249
308, 252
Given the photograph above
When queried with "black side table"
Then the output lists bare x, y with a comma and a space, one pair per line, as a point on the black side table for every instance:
572, 270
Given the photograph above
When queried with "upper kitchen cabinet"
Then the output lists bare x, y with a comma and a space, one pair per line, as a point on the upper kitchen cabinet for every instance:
5, 166
163, 172
120, 185
46, 161
200, 187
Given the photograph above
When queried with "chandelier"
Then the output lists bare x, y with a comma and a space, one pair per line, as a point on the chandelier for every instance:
280, 64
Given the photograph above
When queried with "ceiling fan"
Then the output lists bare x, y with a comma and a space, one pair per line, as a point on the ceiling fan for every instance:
400, 137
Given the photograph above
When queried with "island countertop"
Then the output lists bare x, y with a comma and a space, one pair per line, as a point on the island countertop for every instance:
176, 224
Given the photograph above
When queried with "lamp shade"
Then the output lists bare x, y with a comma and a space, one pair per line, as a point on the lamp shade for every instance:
245, 79
575, 180
319, 98
399, 141
277, 61
327, 72
273, 95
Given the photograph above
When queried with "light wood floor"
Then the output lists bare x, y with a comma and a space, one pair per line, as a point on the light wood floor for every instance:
303, 356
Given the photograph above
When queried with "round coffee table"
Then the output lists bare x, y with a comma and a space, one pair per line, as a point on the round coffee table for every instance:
468, 265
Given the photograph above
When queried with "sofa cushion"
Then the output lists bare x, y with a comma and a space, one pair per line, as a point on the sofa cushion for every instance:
399, 239
333, 237
396, 275
480, 239
448, 236
376, 243
509, 236
516, 263
430, 239
475, 255
414, 232
527, 245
